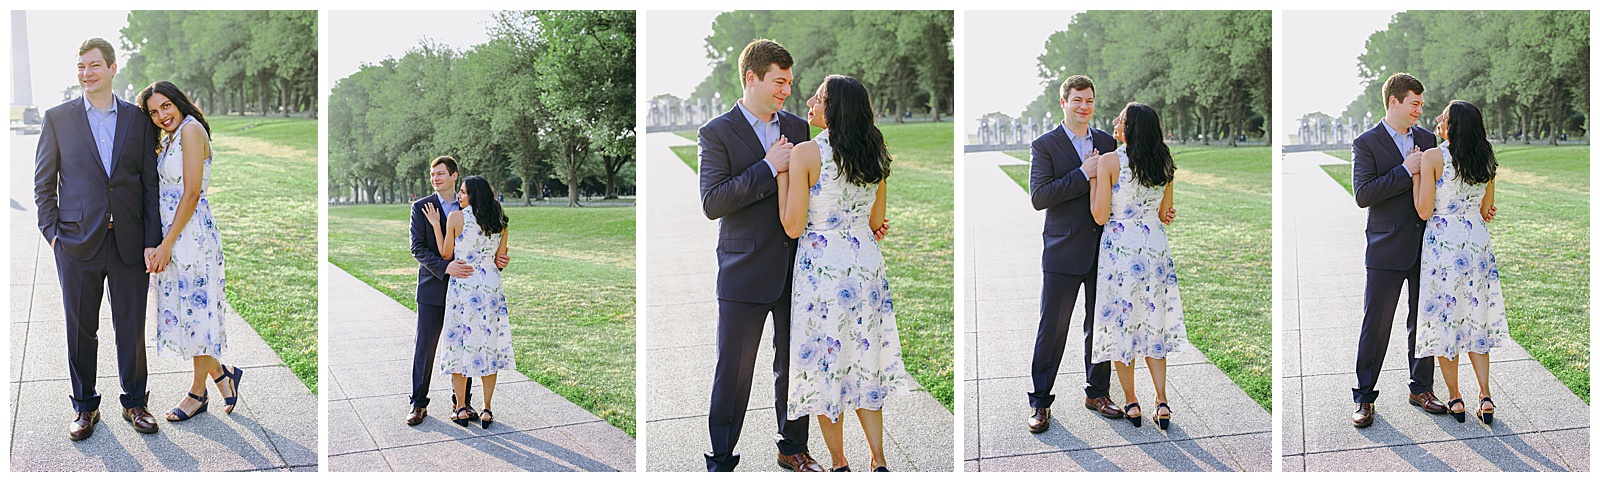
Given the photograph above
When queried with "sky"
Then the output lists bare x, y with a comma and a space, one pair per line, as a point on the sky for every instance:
369, 37
675, 51
53, 40
1319, 61
1002, 55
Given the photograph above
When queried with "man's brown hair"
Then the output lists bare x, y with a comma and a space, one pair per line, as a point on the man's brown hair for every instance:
105, 49
761, 53
1076, 82
449, 163
1398, 85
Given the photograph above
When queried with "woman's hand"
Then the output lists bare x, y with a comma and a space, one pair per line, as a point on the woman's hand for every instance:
432, 213
159, 257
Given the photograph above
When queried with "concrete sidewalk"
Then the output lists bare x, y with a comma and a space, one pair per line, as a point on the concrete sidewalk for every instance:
1215, 426
370, 342
274, 427
681, 349
1539, 424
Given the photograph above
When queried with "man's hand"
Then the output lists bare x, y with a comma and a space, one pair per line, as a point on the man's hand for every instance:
778, 154
1167, 217
1492, 210
882, 231
458, 269
1414, 161
501, 260
1091, 164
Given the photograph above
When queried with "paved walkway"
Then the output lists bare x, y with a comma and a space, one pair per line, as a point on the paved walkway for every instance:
1539, 425
681, 349
274, 428
370, 341
1216, 427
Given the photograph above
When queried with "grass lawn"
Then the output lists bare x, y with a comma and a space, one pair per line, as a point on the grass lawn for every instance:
1541, 239
570, 287
1222, 243
264, 194
690, 156
920, 249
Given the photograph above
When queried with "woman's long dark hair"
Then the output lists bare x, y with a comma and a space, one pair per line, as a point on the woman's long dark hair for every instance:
1470, 151
1148, 155
858, 147
484, 206
178, 98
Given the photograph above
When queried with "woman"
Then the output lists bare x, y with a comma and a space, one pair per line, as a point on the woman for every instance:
1140, 314
845, 351
477, 327
188, 264
1462, 309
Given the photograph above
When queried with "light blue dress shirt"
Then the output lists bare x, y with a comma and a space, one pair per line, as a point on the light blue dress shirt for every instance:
103, 124
1404, 142
766, 132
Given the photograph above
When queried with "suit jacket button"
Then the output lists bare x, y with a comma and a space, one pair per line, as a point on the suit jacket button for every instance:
785, 244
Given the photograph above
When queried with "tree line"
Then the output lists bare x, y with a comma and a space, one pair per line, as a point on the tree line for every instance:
547, 103
1209, 73
904, 58
1527, 70
229, 61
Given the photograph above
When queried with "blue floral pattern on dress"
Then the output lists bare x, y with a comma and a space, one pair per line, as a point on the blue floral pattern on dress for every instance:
477, 325
845, 347
1462, 308
189, 292
1140, 313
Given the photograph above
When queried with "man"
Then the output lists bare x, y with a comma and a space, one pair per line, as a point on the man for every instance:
95, 185
741, 154
1064, 160
433, 282
1384, 159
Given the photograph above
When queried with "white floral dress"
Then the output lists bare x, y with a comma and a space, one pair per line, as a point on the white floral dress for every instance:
844, 347
1460, 304
477, 325
189, 295
1138, 313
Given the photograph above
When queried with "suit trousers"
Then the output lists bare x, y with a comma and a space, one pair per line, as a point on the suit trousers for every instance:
1378, 305
739, 327
430, 322
82, 285
1058, 298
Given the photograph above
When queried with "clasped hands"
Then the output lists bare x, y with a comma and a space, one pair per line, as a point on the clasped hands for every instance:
157, 258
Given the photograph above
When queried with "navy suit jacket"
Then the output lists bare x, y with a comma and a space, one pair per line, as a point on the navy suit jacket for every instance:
755, 257
432, 282
1382, 185
1059, 187
77, 199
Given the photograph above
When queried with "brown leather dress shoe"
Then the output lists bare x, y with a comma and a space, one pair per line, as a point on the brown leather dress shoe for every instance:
417, 415
141, 419
1362, 416
1104, 406
83, 426
1040, 421
801, 462
1428, 402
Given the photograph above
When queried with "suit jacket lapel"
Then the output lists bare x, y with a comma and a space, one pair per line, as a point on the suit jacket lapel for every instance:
742, 128
125, 120
81, 118
1388, 144
1066, 140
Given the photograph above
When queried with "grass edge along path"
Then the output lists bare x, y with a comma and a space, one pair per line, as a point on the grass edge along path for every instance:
263, 194
921, 201
1537, 187
570, 289
1222, 236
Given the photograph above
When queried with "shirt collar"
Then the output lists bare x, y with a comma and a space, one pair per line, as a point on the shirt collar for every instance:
1074, 136
1391, 130
751, 118
89, 107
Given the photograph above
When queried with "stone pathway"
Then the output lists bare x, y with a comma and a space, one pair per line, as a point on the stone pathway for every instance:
1539, 423
681, 348
1216, 427
274, 427
370, 341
